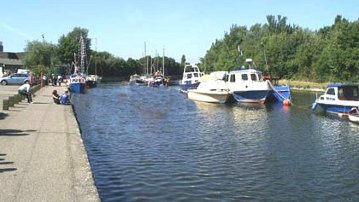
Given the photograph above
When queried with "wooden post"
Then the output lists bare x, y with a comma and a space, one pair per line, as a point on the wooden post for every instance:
42, 80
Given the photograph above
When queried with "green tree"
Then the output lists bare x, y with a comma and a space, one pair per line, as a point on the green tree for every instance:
40, 56
69, 46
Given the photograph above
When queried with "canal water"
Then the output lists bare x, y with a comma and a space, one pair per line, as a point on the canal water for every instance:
148, 144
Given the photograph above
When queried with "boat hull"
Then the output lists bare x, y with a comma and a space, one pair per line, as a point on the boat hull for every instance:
253, 96
187, 86
354, 118
334, 108
77, 87
91, 84
282, 93
220, 97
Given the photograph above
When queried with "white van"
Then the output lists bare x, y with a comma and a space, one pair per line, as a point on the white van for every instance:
23, 71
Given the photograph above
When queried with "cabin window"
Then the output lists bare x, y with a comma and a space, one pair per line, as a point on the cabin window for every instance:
253, 77
189, 76
260, 77
195, 74
233, 78
244, 77
225, 77
349, 93
340, 93
330, 91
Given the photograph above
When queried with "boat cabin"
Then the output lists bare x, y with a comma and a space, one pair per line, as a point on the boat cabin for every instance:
191, 74
249, 75
346, 92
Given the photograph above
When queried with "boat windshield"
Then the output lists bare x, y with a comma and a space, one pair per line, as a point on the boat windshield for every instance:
348, 93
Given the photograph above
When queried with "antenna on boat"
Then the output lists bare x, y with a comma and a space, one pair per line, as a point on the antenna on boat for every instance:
250, 63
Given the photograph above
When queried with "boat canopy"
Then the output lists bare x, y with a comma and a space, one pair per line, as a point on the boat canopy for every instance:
333, 85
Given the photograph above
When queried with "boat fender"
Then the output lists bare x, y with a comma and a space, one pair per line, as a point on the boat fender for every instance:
287, 102
314, 106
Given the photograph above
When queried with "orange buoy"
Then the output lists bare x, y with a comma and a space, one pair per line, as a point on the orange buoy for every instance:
287, 102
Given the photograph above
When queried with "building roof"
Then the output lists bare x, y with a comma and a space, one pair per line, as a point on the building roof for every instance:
7, 61
8, 58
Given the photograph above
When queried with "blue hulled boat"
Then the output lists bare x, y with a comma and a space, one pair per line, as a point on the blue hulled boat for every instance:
338, 98
191, 76
77, 83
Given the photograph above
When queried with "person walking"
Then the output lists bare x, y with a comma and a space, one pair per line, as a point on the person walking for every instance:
25, 90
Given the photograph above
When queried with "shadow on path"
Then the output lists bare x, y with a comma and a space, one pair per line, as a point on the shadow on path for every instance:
3, 115
2, 162
12, 132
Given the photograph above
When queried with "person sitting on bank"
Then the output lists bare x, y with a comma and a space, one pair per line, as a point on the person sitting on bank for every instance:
25, 90
65, 98
56, 97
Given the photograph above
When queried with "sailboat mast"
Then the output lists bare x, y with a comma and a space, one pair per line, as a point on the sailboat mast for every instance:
146, 60
96, 52
163, 63
82, 54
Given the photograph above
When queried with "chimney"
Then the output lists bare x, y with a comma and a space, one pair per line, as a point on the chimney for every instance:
1, 47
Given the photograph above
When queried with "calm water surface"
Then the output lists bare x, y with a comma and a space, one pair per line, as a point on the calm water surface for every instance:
147, 144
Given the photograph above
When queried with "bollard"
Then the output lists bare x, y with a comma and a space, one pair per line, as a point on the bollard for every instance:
21, 97
17, 99
5, 104
11, 101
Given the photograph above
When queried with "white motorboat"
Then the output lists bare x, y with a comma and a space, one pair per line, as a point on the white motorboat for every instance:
247, 85
210, 90
338, 98
190, 78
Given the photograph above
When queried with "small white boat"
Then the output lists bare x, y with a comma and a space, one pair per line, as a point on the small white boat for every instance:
247, 85
210, 90
338, 98
92, 81
190, 78
354, 115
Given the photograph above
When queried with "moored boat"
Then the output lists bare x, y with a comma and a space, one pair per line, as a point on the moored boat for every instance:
92, 81
139, 80
247, 85
338, 98
354, 115
77, 83
190, 78
210, 90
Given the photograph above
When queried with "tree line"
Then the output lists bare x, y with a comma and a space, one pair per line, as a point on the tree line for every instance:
289, 51
48, 58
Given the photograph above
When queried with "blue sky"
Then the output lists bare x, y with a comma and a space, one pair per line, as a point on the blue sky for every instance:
187, 27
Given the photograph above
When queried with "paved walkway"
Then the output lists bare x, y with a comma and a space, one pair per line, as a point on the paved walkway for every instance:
42, 156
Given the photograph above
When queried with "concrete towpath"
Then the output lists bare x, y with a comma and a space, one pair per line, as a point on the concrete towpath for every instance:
42, 156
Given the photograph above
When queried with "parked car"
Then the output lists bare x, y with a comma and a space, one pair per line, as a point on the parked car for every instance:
17, 78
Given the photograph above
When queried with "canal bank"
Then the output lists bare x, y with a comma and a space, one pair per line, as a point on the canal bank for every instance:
42, 156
